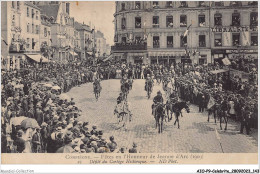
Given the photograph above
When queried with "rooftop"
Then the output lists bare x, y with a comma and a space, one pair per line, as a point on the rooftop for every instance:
50, 10
80, 26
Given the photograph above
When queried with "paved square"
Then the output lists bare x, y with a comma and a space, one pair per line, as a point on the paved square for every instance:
195, 135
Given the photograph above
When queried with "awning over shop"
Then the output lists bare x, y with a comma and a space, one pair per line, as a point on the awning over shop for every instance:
37, 58
219, 71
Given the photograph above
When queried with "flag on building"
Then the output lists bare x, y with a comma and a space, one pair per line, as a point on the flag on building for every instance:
245, 38
226, 61
187, 31
211, 102
227, 39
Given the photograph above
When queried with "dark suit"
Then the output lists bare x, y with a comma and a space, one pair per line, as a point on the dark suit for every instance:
20, 143
133, 150
36, 142
39, 116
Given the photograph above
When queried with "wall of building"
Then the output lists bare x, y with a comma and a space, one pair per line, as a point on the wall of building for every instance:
32, 22
193, 11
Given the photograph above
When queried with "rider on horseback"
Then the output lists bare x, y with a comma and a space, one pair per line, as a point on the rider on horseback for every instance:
148, 82
123, 80
158, 99
120, 98
96, 82
173, 98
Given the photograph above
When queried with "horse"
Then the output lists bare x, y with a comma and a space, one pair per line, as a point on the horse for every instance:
213, 110
123, 114
130, 82
159, 114
97, 89
176, 109
165, 84
148, 88
125, 89
218, 111
158, 78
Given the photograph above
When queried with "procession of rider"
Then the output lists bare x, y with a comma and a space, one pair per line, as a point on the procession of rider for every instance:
149, 82
158, 99
173, 98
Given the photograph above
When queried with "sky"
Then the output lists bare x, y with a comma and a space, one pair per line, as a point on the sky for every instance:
99, 13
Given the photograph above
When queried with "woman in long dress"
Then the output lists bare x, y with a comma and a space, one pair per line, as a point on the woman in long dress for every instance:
27, 137
232, 112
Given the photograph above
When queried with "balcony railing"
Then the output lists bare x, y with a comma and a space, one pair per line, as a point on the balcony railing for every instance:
128, 46
183, 25
202, 44
155, 25
156, 46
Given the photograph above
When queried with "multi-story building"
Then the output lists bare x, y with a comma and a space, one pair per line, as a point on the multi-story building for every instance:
12, 47
172, 32
45, 37
31, 24
21, 23
77, 47
108, 49
62, 29
100, 44
86, 40
234, 29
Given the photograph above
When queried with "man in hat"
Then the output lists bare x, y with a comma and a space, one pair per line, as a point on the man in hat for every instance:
201, 101
148, 82
122, 150
244, 119
19, 142
39, 115
90, 149
112, 145
134, 149
25, 104
67, 148
37, 141
120, 98
94, 130
158, 99
44, 135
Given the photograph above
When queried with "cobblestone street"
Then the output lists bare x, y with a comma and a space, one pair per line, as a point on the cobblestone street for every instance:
195, 135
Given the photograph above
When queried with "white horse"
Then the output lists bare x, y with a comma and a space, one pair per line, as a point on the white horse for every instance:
123, 113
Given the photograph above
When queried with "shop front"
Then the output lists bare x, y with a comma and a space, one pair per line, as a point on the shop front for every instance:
219, 54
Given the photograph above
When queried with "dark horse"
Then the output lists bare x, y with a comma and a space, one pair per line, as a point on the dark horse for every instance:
219, 111
213, 110
165, 84
125, 89
158, 78
97, 89
176, 108
148, 88
159, 116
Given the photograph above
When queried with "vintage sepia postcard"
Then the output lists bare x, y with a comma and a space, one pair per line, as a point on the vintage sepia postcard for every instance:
129, 82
